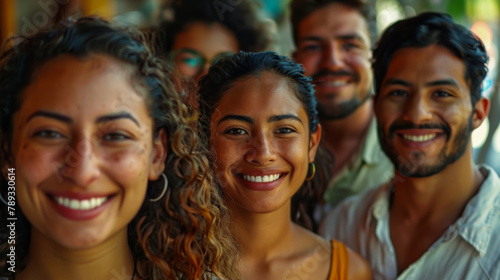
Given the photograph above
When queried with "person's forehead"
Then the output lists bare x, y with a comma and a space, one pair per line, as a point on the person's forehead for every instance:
426, 64
333, 19
207, 38
261, 92
66, 65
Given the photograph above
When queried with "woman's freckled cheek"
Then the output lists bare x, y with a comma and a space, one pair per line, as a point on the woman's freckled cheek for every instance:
35, 166
128, 161
142, 150
295, 149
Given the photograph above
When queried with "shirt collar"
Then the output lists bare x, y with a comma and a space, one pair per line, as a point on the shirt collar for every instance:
481, 213
379, 213
476, 224
372, 151
380, 206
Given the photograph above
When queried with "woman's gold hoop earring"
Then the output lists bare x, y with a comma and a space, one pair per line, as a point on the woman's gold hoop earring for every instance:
313, 171
165, 186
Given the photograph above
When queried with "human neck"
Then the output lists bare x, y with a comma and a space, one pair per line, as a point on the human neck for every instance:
344, 137
48, 260
440, 198
263, 236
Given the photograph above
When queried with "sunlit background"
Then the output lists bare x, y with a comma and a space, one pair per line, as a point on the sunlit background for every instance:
27, 16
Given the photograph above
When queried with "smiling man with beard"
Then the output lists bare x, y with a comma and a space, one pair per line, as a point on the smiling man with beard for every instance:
334, 46
439, 217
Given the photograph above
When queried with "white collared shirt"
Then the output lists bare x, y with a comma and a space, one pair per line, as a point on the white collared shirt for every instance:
469, 248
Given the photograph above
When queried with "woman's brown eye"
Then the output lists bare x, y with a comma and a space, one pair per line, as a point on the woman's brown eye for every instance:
115, 137
50, 134
285, 130
236, 131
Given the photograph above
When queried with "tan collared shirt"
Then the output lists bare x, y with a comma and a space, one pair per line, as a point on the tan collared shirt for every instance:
369, 168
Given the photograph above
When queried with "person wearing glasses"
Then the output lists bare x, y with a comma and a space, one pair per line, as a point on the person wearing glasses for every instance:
199, 32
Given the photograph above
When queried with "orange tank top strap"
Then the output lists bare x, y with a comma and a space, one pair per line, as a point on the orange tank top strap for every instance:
340, 261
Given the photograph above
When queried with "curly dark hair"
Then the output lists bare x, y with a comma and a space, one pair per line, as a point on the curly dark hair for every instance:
427, 29
230, 69
185, 234
241, 18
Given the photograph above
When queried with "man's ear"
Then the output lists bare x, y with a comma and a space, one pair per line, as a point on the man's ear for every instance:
159, 155
294, 55
481, 110
314, 143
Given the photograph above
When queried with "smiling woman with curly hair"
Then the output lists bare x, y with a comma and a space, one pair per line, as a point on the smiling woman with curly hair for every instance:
111, 176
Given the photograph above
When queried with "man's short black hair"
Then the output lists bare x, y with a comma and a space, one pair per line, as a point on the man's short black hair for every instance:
433, 29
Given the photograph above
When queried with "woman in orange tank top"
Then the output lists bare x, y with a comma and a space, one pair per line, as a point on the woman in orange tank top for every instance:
259, 112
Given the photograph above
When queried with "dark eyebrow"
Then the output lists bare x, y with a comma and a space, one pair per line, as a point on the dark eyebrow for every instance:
284, 117
397, 82
236, 117
445, 82
344, 37
119, 115
250, 120
51, 115
450, 82
66, 119
350, 37
310, 38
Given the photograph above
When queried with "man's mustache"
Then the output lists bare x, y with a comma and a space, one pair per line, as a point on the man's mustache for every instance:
326, 73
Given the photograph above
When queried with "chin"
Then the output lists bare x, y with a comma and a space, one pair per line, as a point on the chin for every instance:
80, 239
263, 208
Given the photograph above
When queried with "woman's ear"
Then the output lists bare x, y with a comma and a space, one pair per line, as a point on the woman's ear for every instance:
314, 143
481, 110
159, 155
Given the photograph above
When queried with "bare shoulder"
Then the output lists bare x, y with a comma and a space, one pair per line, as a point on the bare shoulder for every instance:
312, 257
358, 266
312, 240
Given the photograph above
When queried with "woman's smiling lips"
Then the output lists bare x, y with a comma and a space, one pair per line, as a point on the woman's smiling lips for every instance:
261, 182
262, 179
79, 206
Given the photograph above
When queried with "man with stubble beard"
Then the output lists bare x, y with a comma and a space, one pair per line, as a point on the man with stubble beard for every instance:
439, 217
334, 46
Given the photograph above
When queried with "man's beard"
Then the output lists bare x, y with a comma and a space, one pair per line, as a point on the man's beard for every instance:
412, 166
342, 110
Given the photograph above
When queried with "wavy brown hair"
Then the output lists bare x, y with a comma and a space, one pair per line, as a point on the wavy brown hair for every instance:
185, 234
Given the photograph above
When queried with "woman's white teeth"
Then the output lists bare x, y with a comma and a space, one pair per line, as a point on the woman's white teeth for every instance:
85, 204
419, 138
262, 179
